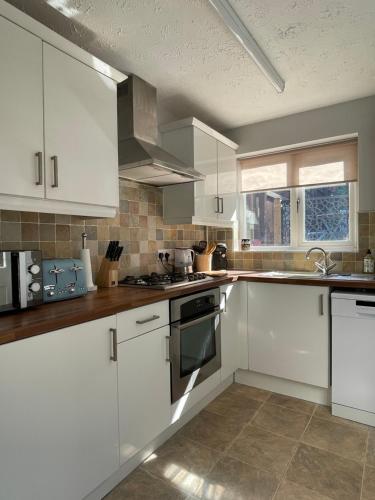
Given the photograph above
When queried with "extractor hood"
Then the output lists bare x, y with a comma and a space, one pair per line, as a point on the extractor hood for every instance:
140, 158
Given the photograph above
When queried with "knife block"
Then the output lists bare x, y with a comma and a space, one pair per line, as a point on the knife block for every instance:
107, 276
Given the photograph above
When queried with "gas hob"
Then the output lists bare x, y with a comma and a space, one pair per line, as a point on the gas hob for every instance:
164, 281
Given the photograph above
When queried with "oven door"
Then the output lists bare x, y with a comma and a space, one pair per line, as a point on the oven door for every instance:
195, 352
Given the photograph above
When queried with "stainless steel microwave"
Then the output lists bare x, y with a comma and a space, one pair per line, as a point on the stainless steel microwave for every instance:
20, 279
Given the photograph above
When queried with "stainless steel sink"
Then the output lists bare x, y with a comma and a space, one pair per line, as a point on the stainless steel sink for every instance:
313, 275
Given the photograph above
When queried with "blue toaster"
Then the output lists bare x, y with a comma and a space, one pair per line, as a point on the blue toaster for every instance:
63, 279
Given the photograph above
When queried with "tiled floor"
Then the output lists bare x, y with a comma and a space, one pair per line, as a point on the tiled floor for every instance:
250, 444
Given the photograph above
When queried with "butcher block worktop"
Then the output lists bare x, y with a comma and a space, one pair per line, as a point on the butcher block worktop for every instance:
108, 301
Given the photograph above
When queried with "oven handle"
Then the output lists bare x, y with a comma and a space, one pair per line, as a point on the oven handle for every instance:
197, 321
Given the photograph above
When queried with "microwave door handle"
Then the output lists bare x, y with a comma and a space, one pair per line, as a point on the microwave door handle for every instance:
3, 264
22, 280
197, 321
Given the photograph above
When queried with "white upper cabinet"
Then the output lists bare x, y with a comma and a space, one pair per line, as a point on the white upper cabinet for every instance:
214, 200
58, 123
288, 327
21, 112
80, 109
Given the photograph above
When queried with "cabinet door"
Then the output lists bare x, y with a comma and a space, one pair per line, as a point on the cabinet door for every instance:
58, 420
227, 182
21, 111
80, 107
205, 161
144, 390
230, 304
288, 328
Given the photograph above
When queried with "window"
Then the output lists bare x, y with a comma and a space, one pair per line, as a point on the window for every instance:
300, 198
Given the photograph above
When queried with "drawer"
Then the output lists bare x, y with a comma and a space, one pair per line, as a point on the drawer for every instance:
141, 320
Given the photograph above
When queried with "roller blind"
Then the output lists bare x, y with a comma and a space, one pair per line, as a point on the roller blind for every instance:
326, 164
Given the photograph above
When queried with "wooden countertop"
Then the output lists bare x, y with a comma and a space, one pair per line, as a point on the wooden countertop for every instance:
105, 302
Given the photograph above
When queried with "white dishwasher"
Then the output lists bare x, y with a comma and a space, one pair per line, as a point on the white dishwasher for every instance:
353, 356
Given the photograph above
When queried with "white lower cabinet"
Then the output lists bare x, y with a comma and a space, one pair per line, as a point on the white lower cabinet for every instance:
59, 414
144, 390
230, 306
288, 327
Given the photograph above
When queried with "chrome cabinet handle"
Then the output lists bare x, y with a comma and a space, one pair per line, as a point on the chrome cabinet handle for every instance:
225, 301
168, 356
217, 211
113, 356
39, 181
321, 304
55, 172
143, 321
222, 205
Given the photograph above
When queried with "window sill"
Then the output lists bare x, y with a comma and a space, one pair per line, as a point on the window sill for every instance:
299, 249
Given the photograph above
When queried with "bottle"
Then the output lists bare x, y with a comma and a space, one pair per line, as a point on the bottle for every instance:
368, 262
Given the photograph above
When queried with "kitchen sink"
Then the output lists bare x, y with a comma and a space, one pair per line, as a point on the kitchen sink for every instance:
313, 275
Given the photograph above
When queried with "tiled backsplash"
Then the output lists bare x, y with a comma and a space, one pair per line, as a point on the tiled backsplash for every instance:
285, 261
138, 226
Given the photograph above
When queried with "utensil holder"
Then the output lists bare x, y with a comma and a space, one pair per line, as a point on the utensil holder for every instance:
107, 276
203, 262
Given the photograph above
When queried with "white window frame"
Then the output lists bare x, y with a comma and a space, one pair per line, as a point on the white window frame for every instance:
297, 224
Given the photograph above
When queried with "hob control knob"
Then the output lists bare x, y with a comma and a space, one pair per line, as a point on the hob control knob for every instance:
51, 293
34, 269
72, 289
34, 287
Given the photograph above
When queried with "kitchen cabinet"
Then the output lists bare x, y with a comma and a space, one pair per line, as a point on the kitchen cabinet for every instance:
214, 200
80, 110
288, 328
21, 111
143, 390
233, 328
59, 413
58, 131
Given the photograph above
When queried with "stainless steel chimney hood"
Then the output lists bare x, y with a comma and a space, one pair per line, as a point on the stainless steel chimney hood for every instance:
140, 158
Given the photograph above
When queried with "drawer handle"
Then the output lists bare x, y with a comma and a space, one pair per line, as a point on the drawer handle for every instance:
143, 321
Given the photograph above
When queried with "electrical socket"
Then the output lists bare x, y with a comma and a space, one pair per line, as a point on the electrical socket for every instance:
164, 251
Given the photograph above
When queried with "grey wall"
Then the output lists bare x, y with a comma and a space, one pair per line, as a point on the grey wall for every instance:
346, 118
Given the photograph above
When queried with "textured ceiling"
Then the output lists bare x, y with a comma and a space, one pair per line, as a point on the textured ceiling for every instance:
324, 49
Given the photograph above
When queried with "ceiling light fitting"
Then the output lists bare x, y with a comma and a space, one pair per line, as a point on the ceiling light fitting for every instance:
243, 35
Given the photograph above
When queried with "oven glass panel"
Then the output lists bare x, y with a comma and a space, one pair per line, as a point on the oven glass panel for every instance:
197, 345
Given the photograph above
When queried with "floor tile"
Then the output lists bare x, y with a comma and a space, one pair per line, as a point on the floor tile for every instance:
370, 459
182, 462
141, 486
338, 438
294, 491
242, 408
325, 412
263, 449
368, 491
292, 403
234, 480
326, 473
212, 430
281, 420
245, 391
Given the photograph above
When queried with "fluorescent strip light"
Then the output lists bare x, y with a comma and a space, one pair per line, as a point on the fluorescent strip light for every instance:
243, 35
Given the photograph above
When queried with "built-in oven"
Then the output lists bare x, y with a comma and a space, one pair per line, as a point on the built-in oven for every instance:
195, 343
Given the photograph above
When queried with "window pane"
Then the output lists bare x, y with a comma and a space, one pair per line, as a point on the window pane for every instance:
327, 213
267, 218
